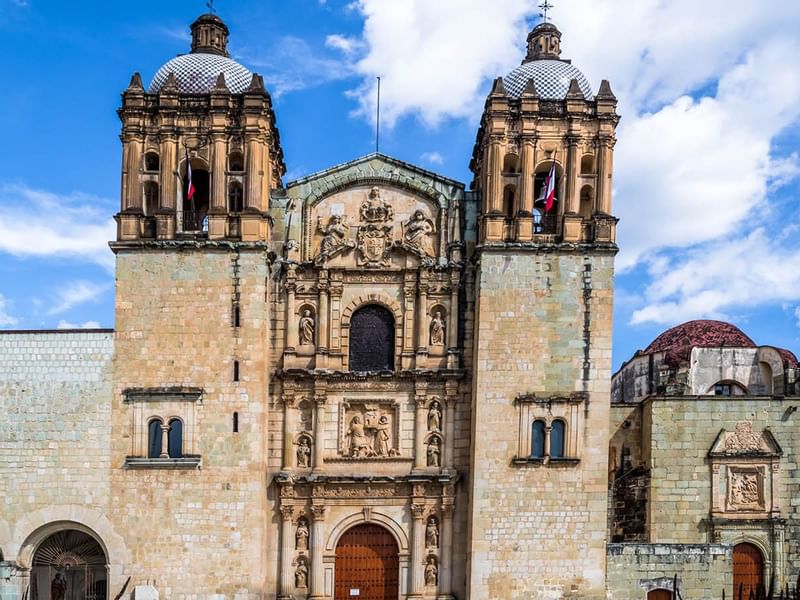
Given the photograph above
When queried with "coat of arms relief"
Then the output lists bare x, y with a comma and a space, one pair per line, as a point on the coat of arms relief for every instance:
375, 234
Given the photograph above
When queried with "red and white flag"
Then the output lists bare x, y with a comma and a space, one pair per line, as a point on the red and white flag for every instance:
190, 185
549, 189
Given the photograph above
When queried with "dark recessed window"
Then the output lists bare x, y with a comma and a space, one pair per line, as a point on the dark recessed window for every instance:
557, 439
236, 422
154, 436
372, 339
537, 439
175, 439
236, 370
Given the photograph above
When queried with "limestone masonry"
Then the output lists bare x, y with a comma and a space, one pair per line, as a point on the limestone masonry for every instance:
373, 382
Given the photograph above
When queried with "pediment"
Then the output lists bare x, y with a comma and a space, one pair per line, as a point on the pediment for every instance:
744, 442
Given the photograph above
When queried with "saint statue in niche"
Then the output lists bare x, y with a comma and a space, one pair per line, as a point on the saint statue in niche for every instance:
431, 572
418, 235
432, 533
437, 329
301, 574
383, 437
435, 417
306, 328
434, 453
301, 536
335, 239
303, 453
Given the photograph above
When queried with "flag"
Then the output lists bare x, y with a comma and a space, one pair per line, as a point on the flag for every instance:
189, 185
549, 188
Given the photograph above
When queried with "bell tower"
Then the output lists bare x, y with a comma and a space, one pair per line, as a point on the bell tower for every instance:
544, 265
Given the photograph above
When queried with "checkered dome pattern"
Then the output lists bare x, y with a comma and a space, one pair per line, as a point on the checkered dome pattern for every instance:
197, 74
551, 78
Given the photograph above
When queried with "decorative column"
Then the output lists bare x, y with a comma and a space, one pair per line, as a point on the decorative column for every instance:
169, 175
164, 441
133, 152
218, 195
446, 551
408, 321
604, 172
322, 317
291, 313
495, 187
419, 432
287, 551
289, 425
417, 583
319, 431
452, 329
317, 548
253, 198
572, 174
422, 315
449, 430
526, 183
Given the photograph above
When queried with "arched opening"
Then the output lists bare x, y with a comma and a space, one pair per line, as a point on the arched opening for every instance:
544, 220
175, 439
765, 370
69, 565
587, 202
557, 431
509, 196
372, 339
236, 161
511, 164
367, 561
587, 164
660, 594
151, 162
748, 570
154, 438
150, 198
195, 209
728, 388
235, 197
537, 439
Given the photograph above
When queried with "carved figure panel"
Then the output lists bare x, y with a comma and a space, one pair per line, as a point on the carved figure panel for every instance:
369, 429
746, 488
434, 452
336, 238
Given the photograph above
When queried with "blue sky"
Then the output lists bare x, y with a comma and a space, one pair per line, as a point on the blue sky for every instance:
705, 167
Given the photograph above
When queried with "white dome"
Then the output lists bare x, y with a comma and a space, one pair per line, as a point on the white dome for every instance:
551, 78
197, 73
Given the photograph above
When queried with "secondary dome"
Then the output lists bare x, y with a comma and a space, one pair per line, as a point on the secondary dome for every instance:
198, 73
677, 343
551, 78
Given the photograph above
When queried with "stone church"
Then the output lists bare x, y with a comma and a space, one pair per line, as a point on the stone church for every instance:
373, 382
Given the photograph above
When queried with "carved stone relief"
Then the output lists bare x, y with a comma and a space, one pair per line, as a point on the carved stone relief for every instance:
434, 452
435, 416
742, 439
418, 235
301, 573
369, 429
746, 488
335, 240
375, 234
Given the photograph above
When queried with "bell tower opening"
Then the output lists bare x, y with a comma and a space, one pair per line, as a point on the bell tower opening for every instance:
195, 209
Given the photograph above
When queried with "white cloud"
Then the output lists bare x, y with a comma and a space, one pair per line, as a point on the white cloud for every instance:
62, 324
36, 223
347, 45
77, 292
432, 158
6, 320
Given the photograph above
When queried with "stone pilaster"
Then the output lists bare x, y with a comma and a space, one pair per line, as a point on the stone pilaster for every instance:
317, 549
289, 424
291, 314
416, 572
422, 315
319, 431
287, 551
420, 415
446, 550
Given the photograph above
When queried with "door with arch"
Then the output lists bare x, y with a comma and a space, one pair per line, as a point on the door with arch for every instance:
748, 569
69, 565
367, 564
659, 594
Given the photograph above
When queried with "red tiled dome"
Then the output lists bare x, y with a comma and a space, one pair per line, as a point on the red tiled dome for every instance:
677, 343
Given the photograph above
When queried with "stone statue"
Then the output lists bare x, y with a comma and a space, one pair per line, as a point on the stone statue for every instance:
335, 239
374, 209
435, 417
301, 536
383, 437
437, 329
306, 329
434, 453
359, 441
303, 453
431, 572
432, 533
301, 574
418, 234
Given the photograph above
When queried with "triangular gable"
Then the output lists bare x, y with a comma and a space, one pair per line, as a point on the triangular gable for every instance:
744, 442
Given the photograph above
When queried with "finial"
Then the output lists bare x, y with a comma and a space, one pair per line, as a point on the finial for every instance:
221, 86
498, 87
256, 85
210, 5
605, 93
545, 6
170, 85
136, 82
574, 92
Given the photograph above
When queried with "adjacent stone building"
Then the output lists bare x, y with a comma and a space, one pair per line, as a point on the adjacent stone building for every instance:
374, 382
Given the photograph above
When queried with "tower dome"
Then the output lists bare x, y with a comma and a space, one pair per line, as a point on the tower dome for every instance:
543, 64
197, 72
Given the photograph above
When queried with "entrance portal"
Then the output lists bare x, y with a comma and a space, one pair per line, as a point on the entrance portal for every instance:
69, 565
748, 570
367, 566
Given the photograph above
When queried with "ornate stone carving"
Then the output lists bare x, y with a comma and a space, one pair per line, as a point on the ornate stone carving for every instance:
432, 533
435, 416
374, 209
318, 512
417, 511
306, 329
437, 336
303, 452
746, 488
431, 571
301, 573
335, 240
418, 235
286, 511
369, 430
362, 492
434, 452
301, 535
375, 236
742, 439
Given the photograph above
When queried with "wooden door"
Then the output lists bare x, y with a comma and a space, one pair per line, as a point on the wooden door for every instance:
659, 595
367, 567
748, 570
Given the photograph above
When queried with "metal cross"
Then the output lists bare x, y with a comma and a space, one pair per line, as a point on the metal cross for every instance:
210, 5
545, 6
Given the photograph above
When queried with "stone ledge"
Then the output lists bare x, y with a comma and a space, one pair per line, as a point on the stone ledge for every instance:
187, 462
541, 462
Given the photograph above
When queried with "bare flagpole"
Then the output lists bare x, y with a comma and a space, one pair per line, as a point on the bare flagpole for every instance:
378, 120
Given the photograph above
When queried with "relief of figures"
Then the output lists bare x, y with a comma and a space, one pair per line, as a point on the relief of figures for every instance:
418, 237
335, 238
437, 329
745, 489
306, 328
369, 432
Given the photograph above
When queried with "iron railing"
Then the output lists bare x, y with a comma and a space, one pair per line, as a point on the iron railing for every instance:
193, 221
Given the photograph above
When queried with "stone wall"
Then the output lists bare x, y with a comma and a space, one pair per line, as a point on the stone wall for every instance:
703, 570
543, 327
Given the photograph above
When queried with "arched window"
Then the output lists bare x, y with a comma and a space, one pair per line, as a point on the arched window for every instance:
511, 164
728, 388
587, 164
557, 430
150, 198
537, 439
372, 339
587, 201
235, 162
154, 437
766, 377
175, 439
509, 194
235, 197
151, 162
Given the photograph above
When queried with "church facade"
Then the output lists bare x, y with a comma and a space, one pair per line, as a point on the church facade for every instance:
371, 382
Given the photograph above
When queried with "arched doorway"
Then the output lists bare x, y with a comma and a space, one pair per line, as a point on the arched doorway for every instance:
367, 564
748, 569
372, 339
659, 594
69, 565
